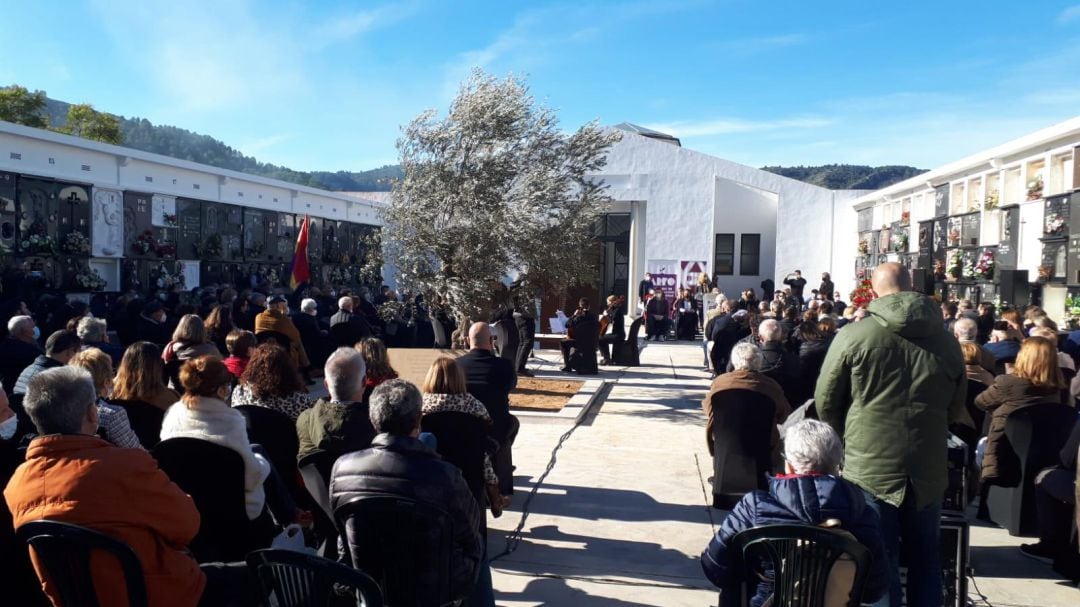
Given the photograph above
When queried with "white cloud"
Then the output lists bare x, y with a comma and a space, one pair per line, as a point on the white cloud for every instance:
727, 126
1070, 14
348, 26
745, 47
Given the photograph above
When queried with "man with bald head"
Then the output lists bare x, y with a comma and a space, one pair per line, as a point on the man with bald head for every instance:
490, 379
890, 385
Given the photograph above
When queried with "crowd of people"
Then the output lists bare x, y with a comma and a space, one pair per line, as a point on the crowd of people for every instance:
89, 408
889, 382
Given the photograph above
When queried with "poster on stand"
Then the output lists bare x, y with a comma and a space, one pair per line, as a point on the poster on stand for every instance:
665, 274
690, 271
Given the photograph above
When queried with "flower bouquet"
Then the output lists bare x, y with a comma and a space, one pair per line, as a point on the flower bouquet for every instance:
212, 248
144, 243
1072, 312
864, 247
992, 200
170, 220
164, 248
954, 237
36, 242
984, 267
900, 242
89, 279
905, 218
273, 276
863, 294
1035, 188
956, 261
1055, 224
969, 267
167, 279
75, 243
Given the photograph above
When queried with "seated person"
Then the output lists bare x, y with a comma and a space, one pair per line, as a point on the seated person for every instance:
1003, 346
810, 492
747, 360
615, 333
657, 312
340, 423
239, 344
1055, 504
72, 476
113, 422
399, 464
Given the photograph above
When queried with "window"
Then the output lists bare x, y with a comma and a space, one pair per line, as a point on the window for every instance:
750, 255
724, 256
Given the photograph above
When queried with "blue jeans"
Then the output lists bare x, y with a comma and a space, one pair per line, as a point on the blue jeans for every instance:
920, 531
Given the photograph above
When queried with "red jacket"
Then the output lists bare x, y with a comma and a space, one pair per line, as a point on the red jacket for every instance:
84, 480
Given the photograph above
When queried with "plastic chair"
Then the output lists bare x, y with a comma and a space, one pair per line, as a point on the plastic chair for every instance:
404, 544
743, 422
145, 420
315, 469
214, 478
276, 434
462, 441
282, 340
295, 579
63, 550
801, 559
1036, 435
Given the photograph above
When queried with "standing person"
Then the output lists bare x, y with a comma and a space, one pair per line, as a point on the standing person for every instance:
767, 289
796, 283
526, 328
890, 387
490, 379
645, 287
827, 287
346, 327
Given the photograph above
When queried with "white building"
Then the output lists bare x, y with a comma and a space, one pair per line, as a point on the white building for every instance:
746, 224
1016, 204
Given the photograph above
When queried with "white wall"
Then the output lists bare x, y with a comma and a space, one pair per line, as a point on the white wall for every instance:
739, 210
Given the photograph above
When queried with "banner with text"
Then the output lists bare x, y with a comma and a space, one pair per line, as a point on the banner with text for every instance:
665, 276
689, 271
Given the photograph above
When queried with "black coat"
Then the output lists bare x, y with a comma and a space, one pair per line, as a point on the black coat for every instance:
827, 289
643, 288
403, 466
490, 379
347, 328
15, 355
315, 345
153, 332
40, 364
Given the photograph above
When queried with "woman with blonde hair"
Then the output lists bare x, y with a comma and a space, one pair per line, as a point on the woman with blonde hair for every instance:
113, 421
445, 391
141, 377
1036, 380
972, 364
377, 363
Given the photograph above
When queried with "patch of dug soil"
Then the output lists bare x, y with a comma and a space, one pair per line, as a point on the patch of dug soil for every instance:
543, 394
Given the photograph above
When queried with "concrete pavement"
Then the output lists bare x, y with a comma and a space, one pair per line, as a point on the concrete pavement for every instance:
624, 511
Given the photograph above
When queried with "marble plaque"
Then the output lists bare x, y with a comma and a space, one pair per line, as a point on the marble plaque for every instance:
107, 234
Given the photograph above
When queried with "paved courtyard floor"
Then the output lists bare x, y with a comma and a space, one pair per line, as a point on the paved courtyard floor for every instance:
623, 513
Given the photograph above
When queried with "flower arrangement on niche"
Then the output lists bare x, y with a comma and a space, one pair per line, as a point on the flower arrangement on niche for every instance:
1055, 224
984, 267
939, 269
863, 294
954, 237
905, 218
36, 241
89, 279
1072, 312
1035, 187
864, 247
993, 198
956, 261
212, 248
167, 279
900, 242
75, 243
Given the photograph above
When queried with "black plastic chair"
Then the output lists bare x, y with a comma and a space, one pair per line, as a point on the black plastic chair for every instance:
295, 579
145, 420
214, 478
743, 423
626, 352
971, 436
404, 544
63, 550
462, 441
276, 434
800, 559
315, 469
1036, 435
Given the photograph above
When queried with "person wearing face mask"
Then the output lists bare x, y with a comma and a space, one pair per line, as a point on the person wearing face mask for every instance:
18, 350
151, 324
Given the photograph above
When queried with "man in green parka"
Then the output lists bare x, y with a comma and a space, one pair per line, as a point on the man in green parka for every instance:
890, 385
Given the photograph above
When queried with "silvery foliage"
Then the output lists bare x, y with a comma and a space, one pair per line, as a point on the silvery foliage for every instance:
494, 189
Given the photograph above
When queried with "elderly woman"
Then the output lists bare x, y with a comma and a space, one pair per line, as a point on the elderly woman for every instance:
114, 424
746, 360
810, 492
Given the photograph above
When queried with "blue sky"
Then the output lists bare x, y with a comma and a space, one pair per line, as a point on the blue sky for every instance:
324, 84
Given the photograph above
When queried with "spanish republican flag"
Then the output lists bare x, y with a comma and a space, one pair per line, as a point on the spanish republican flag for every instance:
300, 272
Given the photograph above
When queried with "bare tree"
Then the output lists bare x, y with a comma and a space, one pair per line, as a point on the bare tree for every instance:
493, 189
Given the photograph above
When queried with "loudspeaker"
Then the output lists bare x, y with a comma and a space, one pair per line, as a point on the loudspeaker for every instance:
922, 281
1014, 287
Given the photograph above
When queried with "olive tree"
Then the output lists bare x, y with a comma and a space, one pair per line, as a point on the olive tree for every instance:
490, 190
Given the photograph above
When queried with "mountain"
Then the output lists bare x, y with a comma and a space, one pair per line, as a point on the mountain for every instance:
141, 134
175, 142
848, 176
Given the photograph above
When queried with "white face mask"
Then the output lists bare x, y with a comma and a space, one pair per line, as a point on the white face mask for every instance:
7, 427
